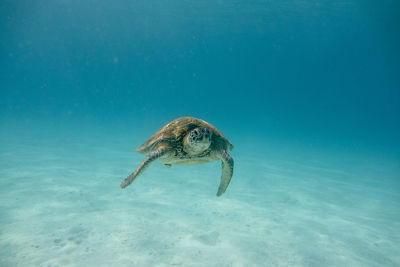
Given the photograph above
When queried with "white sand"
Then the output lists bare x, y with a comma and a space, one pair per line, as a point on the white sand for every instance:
61, 205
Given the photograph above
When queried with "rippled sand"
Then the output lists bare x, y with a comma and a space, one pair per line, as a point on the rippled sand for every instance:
61, 205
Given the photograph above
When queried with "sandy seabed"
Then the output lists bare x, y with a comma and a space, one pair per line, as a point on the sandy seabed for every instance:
61, 205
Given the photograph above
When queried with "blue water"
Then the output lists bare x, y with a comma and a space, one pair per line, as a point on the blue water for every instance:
307, 91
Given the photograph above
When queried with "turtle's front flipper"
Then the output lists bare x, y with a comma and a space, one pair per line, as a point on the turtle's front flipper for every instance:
227, 172
146, 163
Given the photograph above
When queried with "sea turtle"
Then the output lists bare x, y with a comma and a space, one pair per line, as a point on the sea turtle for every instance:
186, 141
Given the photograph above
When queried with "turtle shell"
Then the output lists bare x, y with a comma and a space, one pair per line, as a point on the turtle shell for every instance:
175, 131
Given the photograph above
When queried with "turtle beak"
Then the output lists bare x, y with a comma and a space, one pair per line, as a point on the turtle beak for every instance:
206, 137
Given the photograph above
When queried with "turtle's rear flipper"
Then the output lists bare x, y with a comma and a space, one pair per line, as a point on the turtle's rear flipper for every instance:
227, 172
145, 164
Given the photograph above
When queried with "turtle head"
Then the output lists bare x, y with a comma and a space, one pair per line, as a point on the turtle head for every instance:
197, 141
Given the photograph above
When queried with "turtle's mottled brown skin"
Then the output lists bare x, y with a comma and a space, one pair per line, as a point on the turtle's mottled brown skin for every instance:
187, 141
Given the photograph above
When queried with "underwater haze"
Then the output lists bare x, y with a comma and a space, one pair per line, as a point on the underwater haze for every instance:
308, 92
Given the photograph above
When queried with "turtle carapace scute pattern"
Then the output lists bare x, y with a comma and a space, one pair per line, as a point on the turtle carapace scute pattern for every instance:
186, 141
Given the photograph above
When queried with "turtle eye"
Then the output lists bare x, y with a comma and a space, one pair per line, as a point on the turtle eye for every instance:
196, 131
